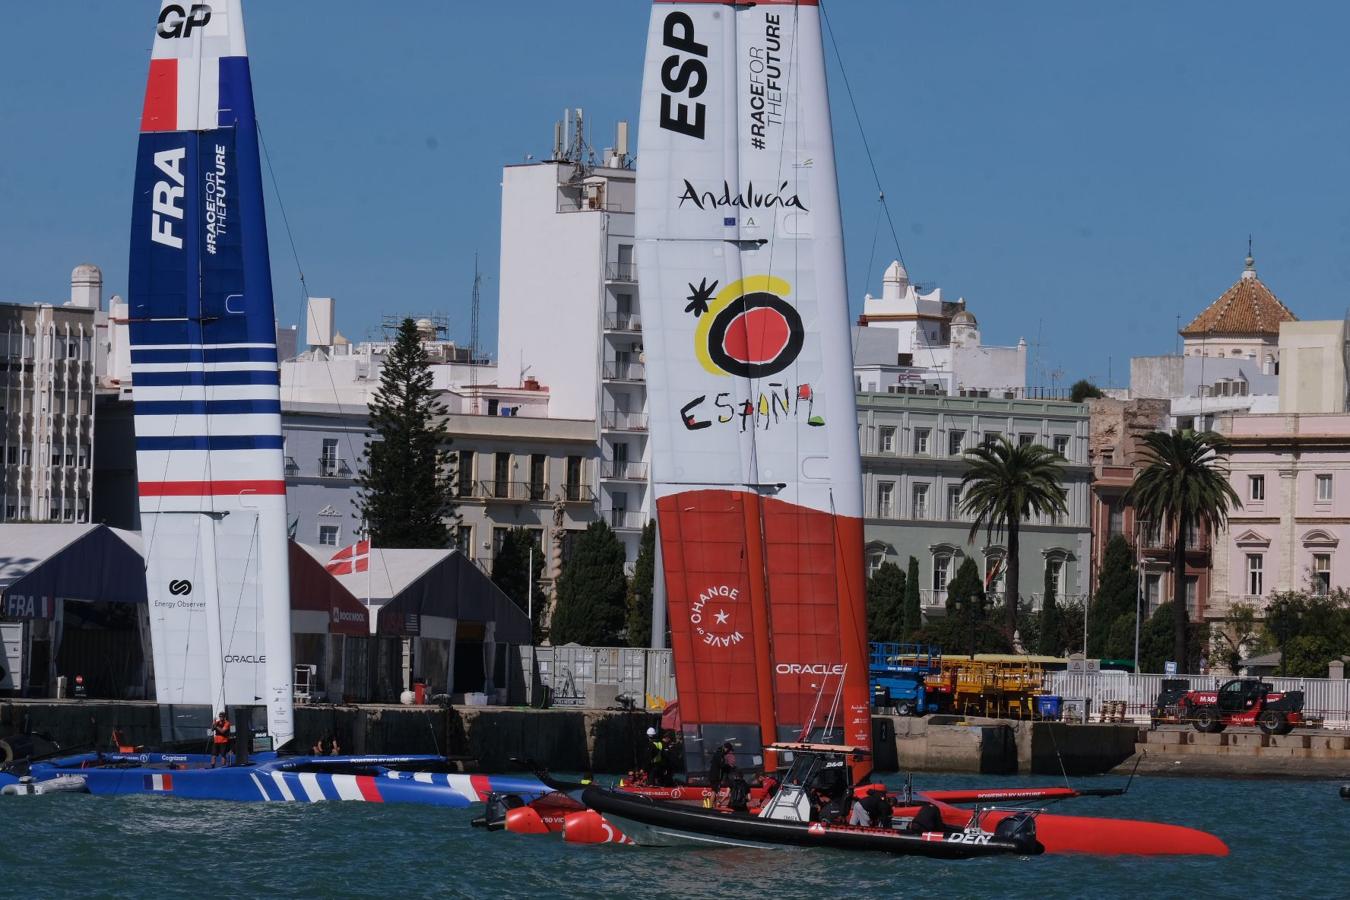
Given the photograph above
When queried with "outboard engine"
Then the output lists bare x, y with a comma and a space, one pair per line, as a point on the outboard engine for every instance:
1345, 792
1019, 830
495, 809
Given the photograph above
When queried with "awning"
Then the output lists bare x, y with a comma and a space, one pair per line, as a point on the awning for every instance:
319, 602
40, 564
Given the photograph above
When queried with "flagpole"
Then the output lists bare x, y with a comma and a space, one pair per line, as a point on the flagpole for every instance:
529, 592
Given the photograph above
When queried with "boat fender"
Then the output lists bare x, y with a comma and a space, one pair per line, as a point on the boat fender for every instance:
589, 827
525, 820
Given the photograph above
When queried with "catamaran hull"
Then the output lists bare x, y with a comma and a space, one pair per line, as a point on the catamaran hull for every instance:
1105, 837
644, 820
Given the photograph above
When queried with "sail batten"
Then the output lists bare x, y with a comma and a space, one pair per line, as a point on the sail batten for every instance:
756, 467
205, 378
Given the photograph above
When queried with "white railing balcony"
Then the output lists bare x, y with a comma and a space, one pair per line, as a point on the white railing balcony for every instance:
624, 371
931, 599
625, 520
619, 321
612, 420
625, 272
624, 471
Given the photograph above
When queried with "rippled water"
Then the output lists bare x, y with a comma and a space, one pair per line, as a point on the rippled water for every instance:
1288, 839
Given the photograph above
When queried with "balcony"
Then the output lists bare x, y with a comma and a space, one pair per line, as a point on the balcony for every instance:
578, 493
334, 468
621, 272
292, 467
513, 491
624, 471
612, 420
624, 371
621, 321
625, 520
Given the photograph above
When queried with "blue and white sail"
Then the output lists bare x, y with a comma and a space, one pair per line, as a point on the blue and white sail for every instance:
205, 376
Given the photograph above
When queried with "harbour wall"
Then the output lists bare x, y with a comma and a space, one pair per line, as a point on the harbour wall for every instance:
610, 741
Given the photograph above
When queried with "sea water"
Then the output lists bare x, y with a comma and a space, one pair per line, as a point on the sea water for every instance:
1288, 839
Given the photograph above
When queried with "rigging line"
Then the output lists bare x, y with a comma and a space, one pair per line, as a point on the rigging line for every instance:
285, 220
239, 602
881, 194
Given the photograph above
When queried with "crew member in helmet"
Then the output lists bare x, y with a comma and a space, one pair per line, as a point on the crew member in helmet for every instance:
220, 738
656, 757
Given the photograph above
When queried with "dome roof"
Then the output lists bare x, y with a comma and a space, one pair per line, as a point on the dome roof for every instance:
965, 318
86, 272
1246, 308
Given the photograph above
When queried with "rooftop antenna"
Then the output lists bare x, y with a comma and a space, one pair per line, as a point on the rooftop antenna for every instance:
473, 339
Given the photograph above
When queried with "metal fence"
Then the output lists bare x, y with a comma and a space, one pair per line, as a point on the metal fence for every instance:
595, 676
1326, 698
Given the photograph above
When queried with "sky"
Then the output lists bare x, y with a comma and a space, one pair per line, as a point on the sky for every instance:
1083, 174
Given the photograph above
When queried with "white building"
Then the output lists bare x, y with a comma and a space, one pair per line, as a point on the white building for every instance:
911, 342
568, 309
50, 362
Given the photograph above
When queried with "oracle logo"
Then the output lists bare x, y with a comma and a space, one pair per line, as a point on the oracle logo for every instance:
810, 669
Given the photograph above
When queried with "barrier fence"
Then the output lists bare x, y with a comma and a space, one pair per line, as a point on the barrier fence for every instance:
1325, 698
597, 677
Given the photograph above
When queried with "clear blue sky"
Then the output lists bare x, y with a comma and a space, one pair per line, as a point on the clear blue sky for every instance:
1082, 171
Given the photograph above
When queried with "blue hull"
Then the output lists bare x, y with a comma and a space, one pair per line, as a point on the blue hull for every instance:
292, 779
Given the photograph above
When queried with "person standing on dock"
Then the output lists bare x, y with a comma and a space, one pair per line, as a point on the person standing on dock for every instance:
220, 738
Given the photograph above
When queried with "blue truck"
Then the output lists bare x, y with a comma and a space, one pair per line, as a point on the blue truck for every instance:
897, 674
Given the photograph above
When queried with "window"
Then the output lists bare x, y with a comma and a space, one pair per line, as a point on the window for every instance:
328, 535
1193, 596
1153, 591
1054, 569
1323, 488
573, 483
887, 442
464, 474
12, 456
498, 536
1321, 574
1256, 487
921, 436
1025, 439
501, 474
991, 438
1062, 445
874, 560
954, 441
464, 539
1115, 517
940, 565
994, 565
886, 500
1255, 582
328, 457
954, 501
920, 501
539, 490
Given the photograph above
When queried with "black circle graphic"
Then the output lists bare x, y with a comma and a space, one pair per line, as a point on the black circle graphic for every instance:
180, 586
717, 333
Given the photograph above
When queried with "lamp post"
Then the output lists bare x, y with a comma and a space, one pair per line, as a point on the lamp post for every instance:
529, 591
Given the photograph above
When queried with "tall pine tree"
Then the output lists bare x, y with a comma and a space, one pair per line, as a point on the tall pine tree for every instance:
913, 604
1116, 597
406, 482
1049, 637
640, 589
592, 591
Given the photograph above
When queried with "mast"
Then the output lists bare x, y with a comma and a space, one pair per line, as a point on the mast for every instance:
756, 467
205, 378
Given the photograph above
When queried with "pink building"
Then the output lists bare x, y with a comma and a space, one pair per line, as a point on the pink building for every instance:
1292, 472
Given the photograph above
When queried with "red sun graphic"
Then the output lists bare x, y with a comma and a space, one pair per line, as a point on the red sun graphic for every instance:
757, 335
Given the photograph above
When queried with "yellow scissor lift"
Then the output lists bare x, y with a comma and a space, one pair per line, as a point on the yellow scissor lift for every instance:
996, 688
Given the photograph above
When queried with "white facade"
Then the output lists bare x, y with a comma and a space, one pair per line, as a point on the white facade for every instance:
569, 315
912, 342
1312, 367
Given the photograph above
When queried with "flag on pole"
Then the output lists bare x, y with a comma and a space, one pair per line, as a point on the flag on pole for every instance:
350, 560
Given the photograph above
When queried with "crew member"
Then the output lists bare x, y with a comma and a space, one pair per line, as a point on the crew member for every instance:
656, 757
722, 765
220, 738
738, 799
877, 807
119, 741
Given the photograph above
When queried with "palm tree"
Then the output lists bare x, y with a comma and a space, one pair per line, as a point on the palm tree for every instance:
1183, 484
1004, 484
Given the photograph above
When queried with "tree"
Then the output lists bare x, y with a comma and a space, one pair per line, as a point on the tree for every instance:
640, 593
1183, 485
1310, 630
1157, 641
1049, 644
1238, 631
1084, 390
913, 603
1004, 484
966, 599
514, 574
885, 603
592, 591
1116, 597
406, 483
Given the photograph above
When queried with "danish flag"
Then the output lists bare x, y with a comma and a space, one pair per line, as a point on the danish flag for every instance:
350, 560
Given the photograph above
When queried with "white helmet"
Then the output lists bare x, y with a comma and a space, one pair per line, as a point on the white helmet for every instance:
651, 732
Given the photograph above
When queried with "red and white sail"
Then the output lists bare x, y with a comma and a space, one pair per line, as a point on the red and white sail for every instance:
750, 382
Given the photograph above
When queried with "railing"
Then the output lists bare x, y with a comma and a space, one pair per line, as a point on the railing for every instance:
931, 599
621, 371
578, 493
1323, 697
622, 421
617, 321
625, 520
334, 468
517, 491
621, 271
624, 471
292, 467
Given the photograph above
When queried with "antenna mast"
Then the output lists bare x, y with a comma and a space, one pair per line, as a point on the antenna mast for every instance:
473, 340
